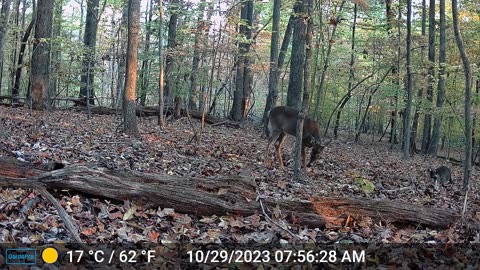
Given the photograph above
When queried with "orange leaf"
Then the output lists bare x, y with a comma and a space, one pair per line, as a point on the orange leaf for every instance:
153, 235
89, 231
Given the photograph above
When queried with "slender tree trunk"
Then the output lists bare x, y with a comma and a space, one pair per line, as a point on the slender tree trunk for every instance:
273, 95
273, 74
161, 101
306, 91
433, 147
295, 83
57, 55
171, 44
427, 125
248, 75
284, 47
327, 63
87, 91
416, 117
145, 63
21, 54
193, 100
468, 98
129, 116
4, 17
15, 42
351, 74
122, 55
40, 71
238, 95
408, 108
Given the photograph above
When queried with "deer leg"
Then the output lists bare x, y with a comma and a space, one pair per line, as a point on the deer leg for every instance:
304, 159
280, 140
272, 138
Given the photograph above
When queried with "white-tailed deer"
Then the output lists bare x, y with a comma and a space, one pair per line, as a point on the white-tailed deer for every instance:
282, 120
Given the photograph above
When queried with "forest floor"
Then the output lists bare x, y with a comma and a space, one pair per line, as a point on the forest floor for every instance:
71, 138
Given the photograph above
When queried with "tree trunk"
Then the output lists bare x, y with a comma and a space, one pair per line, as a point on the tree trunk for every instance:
242, 77
273, 89
21, 54
4, 19
248, 75
273, 74
351, 74
145, 70
193, 100
416, 117
433, 147
171, 44
57, 55
408, 107
326, 63
297, 60
427, 125
40, 70
215, 196
468, 98
129, 117
161, 94
13, 43
122, 55
90, 42
297, 173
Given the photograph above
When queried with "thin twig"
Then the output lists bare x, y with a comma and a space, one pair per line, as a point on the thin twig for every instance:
191, 124
464, 206
61, 212
267, 217
219, 123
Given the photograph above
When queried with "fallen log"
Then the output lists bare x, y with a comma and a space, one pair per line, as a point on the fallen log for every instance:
153, 111
213, 196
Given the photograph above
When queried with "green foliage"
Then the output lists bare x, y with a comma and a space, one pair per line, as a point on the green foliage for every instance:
365, 184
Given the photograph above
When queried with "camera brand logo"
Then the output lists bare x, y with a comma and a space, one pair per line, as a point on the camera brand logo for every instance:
22, 256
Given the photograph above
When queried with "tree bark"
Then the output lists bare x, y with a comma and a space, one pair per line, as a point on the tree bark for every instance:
272, 96
467, 169
273, 73
295, 83
129, 117
248, 74
145, 70
433, 147
214, 196
192, 102
416, 117
326, 63
351, 75
4, 18
161, 82
169, 57
408, 107
297, 173
243, 72
40, 70
427, 125
90, 43
21, 54
121, 57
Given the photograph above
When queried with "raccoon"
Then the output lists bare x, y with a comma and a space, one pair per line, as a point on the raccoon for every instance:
441, 175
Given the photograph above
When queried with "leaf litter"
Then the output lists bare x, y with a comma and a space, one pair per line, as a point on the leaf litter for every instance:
70, 138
